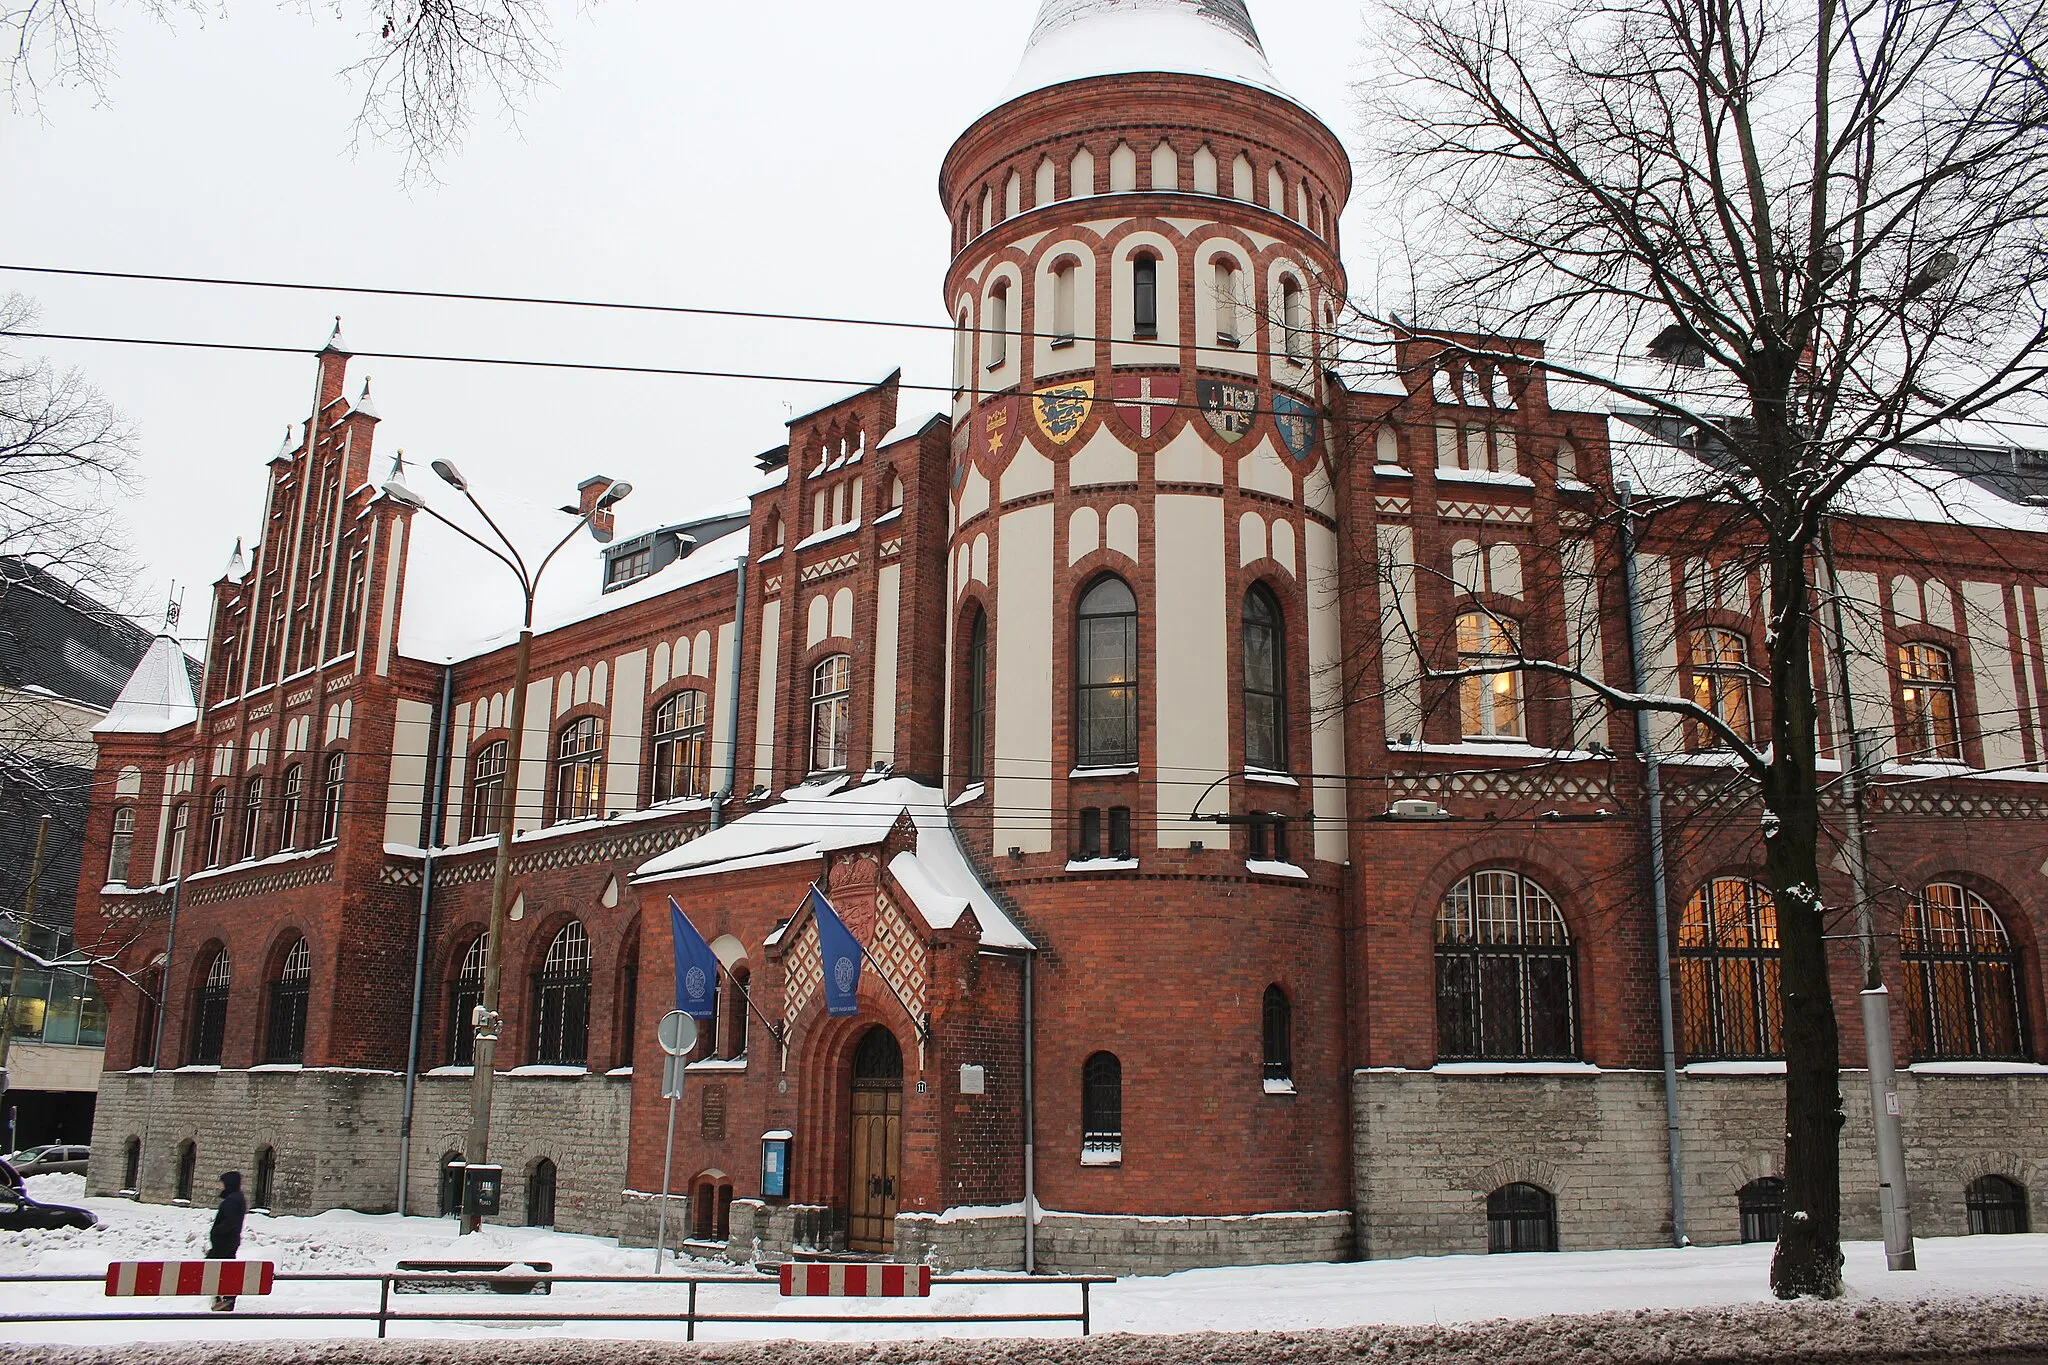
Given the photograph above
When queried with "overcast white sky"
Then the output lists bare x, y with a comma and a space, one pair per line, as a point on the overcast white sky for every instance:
781, 156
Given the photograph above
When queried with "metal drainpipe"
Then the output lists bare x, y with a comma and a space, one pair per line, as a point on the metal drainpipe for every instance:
732, 722
1030, 1115
1659, 892
419, 959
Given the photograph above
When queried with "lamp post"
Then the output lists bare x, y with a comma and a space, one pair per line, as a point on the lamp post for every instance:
486, 1018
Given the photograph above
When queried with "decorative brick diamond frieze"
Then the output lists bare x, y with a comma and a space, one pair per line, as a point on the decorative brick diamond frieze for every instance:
1919, 800
638, 846
825, 568
241, 888
399, 874
1390, 506
1508, 786
1484, 511
892, 547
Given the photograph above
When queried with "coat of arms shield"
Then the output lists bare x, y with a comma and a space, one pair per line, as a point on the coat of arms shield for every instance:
1147, 401
1062, 409
1299, 425
1230, 408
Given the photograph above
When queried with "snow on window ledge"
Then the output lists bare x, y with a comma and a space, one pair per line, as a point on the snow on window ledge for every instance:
1391, 471
1444, 475
1274, 1087
1261, 868
1515, 1069
1102, 865
1112, 770
1102, 1154
1271, 778
544, 1071
971, 794
453, 1071
714, 1064
1978, 1069
1752, 1067
620, 1071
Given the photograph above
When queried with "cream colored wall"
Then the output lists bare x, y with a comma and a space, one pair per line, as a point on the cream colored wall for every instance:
1244, 358
1191, 679
1023, 695
533, 755
406, 787
1582, 625
458, 774
387, 627
1660, 643
723, 689
764, 698
1870, 668
1998, 701
888, 625
1050, 360
1166, 349
628, 725
1326, 691
1400, 669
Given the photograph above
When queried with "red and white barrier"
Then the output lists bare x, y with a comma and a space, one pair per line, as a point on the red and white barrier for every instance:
189, 1279
849, 1280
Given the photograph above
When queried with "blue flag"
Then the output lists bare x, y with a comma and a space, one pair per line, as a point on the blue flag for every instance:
696, 966
841, 955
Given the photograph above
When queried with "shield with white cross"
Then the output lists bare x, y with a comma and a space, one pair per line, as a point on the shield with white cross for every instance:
1147, 402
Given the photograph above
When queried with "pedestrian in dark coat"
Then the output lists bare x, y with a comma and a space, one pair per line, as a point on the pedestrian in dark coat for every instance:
226, 1240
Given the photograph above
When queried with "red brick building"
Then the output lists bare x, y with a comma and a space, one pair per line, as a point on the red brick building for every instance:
1097, 706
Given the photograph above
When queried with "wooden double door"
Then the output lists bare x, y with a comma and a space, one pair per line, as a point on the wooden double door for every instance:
876, 1137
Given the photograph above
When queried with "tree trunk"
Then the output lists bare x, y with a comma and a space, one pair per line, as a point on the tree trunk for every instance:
1808, 1261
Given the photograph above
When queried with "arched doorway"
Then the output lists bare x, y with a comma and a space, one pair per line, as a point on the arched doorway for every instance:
877, 1142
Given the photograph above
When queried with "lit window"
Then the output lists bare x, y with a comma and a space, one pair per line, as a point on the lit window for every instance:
1962, 979
1728, 972
1490, 702
681, 747
831, 714
1928, 709
1720, 686
579, 771
1505, 973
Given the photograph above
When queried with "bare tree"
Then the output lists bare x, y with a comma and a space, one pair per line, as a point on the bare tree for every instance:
1830, 214
426, 65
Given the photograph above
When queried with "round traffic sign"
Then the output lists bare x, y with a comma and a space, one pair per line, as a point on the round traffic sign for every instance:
677, 1032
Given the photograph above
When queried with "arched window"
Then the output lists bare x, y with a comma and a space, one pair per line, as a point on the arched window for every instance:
466, 993
217, 827
681, 747
263, 1192
1265, 682
1728, 965
540, 1194
997, 326
627, 1032
330, 797
1278, 1020
1229, 302
1962, 979
734, 1031
131, 1166
711, 1208
1720, 684
285, 1040
1761, 1204
188, 1169
290, 797
210, 1011
1294, 318
1144, 296
487, 790
963, 351
1490, 703
1521, 1218
1927, 703
562, 1033
831, 714
1505, 973
121, 845
1106, 675
1996, 1205
252, 819
579, 770
976, 766
181, 820
1064, 282
449, 1191
1102, 1110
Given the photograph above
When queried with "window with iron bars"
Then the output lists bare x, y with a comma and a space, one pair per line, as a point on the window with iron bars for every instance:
1728, 968
1505, 973
562, 1033
285, 1039
1962, 979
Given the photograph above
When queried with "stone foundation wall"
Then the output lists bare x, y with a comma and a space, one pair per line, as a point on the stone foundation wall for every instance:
1432, 1145
1081, 1243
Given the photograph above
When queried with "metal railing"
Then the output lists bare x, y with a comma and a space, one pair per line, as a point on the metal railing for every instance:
386, 1315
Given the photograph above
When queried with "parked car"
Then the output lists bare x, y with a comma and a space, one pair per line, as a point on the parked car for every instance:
54, 1158
20, 1213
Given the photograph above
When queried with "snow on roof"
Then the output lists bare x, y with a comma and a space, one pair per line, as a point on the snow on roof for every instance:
460, 603
158, 697
1076, 39
936, 876
907, 429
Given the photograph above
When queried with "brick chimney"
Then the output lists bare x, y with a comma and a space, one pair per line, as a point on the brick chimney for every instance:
587, 494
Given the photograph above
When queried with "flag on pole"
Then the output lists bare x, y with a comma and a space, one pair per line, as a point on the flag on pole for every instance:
696, 966
841, 955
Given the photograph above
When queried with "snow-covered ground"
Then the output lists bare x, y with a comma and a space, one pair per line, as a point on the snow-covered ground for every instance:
1267, 1299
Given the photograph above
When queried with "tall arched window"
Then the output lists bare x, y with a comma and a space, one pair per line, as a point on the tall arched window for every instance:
1728, 965
997, 342
210, 1011
1144, 296
121, 845
734, 1034
627, 1031
1490, 703
540, 1194
831, 714
1265, 681
562, 1016
1102, 1110
1962, 979
252, 819
465, 993
1521, 1218
291, 796
1505, 973
181, 820
487, 790
976, 766
285, 1039
1928, 703
1719, 660
1229, 302
1106, 675
1996, 1206
1277, 1016
1294, 317
963, 352
1065, 276
579, 770
681, 747
217, 827
330, 797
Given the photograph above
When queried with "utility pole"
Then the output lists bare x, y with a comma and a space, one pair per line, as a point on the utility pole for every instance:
28, 911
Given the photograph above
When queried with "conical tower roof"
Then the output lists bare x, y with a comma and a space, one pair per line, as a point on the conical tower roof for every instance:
1076, 39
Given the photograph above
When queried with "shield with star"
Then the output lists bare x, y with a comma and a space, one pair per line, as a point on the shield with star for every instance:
998, 431
1230, 408
1299, 425
1147, 402
1062, 410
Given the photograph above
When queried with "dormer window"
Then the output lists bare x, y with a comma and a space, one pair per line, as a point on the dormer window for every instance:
629, 567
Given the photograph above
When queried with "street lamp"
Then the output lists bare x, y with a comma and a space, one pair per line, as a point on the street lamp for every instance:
486, 1018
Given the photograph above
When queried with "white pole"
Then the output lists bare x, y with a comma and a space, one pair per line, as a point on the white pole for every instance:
668, 1157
